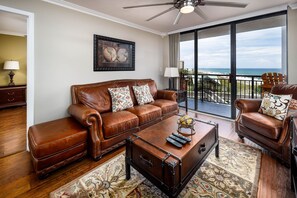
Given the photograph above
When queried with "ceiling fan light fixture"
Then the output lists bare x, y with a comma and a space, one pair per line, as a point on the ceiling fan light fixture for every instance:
187, 8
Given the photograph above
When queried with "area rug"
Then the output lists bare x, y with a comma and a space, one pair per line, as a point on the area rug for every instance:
234, 174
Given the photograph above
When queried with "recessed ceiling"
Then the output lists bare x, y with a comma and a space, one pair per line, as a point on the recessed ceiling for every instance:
13, 24
164, 23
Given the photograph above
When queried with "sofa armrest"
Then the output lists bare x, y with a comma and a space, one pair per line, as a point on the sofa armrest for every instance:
166, 94
247, 105
90, 118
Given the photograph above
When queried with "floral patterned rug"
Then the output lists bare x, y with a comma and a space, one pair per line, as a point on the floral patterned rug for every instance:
234, 174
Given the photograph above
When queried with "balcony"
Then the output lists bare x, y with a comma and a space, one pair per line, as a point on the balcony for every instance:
214, 92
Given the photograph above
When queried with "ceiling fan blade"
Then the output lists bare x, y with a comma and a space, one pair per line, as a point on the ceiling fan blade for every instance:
149, 5
200, 13
177, 18
226, 4
165, 11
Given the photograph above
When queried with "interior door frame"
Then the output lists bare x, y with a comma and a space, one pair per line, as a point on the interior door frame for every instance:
30, 64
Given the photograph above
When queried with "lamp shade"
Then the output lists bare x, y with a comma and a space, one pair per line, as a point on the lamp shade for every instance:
11, 65
171, 72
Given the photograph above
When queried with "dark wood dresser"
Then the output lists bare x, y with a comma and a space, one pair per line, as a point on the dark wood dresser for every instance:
293, 128
11, 96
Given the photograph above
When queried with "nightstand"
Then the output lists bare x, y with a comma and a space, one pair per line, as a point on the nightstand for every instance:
11, 96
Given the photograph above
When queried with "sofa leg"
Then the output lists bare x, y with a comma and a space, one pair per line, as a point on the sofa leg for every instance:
240, 136
98, 158
43, 176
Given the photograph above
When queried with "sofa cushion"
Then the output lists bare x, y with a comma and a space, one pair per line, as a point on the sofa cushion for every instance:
50, 138
142, 94
167, 106
115, 123
146, 113
120, 98
262, 124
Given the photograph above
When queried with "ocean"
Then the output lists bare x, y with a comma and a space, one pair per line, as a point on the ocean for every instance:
240, 71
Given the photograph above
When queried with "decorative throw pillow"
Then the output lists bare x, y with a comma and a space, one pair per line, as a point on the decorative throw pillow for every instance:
120, 98
275, 105
143, 94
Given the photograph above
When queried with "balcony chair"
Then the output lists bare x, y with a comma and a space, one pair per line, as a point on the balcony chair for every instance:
271, 79
266, 131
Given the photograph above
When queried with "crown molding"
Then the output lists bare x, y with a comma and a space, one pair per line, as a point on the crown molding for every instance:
244, 16
102, 16
293, 6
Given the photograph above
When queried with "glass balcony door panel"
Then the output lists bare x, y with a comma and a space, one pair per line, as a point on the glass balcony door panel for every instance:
260, 48
187, 54
214, 69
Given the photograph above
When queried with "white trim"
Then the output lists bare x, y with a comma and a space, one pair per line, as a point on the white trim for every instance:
12, 33
252, 14
30, 64
101, 15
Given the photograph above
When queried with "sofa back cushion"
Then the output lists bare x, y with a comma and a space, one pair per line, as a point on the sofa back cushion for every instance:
96, 95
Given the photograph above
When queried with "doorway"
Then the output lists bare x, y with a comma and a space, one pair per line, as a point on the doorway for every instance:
30, 64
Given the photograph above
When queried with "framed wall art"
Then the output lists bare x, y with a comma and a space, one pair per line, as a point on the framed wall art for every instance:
112, 54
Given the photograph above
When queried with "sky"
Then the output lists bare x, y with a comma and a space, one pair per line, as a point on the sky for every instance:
255, 49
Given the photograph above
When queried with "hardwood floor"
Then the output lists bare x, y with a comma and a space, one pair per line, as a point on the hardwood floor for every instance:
18, 179
12, 130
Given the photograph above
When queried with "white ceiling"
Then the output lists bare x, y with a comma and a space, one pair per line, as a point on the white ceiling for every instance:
164, 23
13, 24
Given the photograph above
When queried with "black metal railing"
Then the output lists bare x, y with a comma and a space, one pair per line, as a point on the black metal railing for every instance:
217, 87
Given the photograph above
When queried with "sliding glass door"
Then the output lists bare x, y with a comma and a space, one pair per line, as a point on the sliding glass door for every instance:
260, 48
214, 70
225, 62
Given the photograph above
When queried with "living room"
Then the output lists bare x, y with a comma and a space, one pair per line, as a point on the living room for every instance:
60, 54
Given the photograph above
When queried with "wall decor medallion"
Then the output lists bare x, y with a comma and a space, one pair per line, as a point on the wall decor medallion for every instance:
112, 54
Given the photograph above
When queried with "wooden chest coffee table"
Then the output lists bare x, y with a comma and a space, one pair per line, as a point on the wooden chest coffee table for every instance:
166, 166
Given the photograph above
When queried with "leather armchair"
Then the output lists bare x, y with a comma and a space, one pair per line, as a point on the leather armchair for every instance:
266, 131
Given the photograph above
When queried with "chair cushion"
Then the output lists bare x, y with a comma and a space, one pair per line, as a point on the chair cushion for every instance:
142, 94
262, 124
56, 136
167, 106
275, 105
146, 113
115, 123
120, 98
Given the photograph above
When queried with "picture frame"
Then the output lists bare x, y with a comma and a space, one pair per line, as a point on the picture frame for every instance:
111, 54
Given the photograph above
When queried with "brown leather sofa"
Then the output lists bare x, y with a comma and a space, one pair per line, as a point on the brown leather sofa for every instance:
264, 130
91, 106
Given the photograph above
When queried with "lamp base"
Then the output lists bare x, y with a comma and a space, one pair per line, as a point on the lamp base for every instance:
11, 74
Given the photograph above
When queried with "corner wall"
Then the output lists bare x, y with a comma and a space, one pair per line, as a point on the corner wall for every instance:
13, 48
64, 54
292, 46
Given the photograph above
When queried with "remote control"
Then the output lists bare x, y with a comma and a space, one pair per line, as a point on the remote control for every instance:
182, 137
173, 142
178, 139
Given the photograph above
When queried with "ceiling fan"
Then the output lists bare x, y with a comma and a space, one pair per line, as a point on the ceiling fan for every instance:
188, 6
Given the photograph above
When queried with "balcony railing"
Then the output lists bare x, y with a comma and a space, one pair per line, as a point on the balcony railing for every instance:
217, 87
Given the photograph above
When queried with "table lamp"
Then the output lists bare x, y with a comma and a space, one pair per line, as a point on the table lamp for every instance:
11, 65
171, 72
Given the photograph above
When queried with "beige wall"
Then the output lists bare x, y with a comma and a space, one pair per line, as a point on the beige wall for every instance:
292, 46
64, 54
13, 48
